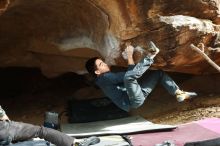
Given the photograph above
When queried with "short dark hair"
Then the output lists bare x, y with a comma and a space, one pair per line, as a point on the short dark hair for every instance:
91, 66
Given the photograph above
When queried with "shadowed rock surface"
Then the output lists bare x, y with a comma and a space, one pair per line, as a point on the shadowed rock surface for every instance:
26, 94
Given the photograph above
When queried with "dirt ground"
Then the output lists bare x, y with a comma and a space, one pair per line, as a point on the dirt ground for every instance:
27, 95
207, 108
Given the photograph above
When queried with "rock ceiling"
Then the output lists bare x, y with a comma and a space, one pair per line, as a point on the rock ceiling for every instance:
59, 36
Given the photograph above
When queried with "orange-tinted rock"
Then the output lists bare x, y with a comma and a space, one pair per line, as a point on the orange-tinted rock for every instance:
60, 36
4, 5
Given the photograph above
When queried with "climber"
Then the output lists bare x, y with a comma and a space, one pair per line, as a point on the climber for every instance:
129, 89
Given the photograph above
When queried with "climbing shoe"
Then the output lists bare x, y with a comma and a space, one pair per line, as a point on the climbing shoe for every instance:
183, 95
152, 50
88, 141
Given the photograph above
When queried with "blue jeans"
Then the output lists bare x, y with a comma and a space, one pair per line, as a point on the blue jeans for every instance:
139, 82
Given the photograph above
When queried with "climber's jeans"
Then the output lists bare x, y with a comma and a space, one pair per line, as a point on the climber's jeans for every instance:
18, 131
139, 82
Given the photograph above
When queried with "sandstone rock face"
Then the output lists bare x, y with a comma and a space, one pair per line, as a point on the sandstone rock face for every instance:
4, 5
59, 36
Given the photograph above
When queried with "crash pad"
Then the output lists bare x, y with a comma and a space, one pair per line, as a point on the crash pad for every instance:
126, 125
202, 130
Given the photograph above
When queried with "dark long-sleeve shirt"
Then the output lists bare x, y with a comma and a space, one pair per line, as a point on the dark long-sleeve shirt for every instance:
112, 84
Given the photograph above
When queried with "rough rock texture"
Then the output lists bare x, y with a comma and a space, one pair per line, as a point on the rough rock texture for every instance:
4, 5
59, 36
